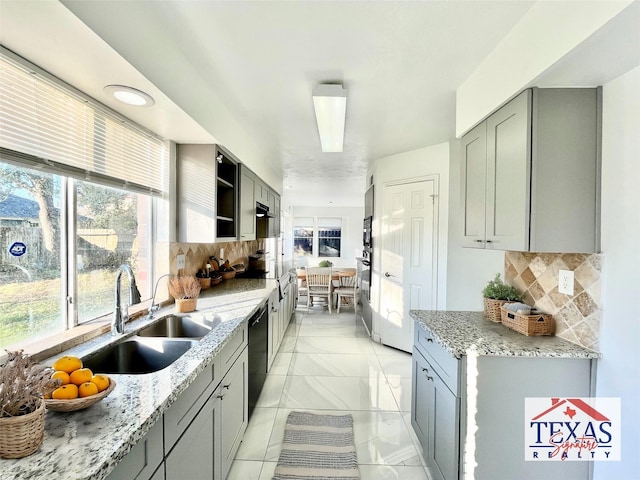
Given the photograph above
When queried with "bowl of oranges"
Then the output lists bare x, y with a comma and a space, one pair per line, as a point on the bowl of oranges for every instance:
79, 387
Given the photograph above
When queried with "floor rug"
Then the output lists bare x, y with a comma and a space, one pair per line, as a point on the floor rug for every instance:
317, 447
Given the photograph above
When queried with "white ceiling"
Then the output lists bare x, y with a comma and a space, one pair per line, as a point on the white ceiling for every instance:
242, 72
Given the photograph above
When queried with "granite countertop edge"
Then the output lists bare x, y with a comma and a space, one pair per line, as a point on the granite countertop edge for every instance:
463, 333
88, 444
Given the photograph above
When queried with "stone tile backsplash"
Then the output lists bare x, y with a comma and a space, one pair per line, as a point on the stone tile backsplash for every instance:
577, 316
196, 254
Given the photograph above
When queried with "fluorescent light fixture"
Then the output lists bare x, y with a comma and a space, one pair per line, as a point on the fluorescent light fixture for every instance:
330, 104
129, 95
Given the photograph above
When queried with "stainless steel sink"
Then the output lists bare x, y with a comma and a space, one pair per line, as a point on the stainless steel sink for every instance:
138, 355
174, 326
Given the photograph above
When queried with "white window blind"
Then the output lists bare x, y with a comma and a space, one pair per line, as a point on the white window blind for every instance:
47, 126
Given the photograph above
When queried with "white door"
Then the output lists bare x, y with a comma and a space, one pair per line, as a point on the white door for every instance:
408, 233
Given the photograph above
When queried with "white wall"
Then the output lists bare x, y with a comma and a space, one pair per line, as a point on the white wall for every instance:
469, 269
618, 373
545, 34
424, 162
351, 243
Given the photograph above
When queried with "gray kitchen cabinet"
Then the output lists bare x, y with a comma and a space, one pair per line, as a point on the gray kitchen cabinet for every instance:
143, 460
207, 193
205, 425
196, 192
234, 418
196, 455
248, 188
530, 174
274, 207
262, 192
435, 412
473, 408
274, 333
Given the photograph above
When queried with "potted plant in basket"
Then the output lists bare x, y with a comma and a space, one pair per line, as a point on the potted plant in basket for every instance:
185, 290
23, 384
496, 294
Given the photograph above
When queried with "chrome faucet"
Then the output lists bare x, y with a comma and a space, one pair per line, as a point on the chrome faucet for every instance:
121, 313
154, 307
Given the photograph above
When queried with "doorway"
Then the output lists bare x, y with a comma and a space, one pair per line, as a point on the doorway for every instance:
408, 258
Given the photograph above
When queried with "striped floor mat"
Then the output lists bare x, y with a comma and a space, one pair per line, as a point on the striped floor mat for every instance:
317, 447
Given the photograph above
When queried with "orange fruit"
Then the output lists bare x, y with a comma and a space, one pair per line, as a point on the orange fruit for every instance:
102, 381
87, 389
65, 392
81, 376
62, 376
67, 364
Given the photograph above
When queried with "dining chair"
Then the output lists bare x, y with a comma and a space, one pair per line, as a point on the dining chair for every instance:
319, 285
347, 289
303, 291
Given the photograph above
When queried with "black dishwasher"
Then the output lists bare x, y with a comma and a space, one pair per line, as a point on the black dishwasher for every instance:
258, 339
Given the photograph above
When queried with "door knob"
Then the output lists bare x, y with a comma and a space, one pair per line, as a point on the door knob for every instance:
387, 274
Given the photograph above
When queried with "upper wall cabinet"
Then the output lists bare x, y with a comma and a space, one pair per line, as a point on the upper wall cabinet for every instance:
196, 200
207, 189
226, 195
530, 174
248, 188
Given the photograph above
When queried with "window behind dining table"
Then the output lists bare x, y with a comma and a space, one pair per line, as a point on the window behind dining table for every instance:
303, 236
329, 236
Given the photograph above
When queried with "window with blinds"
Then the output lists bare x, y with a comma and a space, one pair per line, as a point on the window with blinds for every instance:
44, 124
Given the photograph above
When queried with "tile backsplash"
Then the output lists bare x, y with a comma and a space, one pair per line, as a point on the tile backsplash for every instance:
196, 254
577, 316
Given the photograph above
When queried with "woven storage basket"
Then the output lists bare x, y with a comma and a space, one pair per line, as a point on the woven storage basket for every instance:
22, 435
204, 283
79, 403
529, 325
186, 305
492, 309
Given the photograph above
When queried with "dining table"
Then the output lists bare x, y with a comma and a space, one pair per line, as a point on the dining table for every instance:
336, 273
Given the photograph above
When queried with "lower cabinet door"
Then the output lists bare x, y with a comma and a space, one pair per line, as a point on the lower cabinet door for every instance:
143, 459
233, 408
421, 394
194, 455
442, 453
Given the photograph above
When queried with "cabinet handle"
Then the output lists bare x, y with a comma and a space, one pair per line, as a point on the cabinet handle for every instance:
220, 396
226, 386
430, 340
387, 274
479, 241
489, 241
429, 378
425, 369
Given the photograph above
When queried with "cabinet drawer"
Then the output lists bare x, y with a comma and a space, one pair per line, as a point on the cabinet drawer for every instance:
232, 350
445, 365
143, 459
185, 408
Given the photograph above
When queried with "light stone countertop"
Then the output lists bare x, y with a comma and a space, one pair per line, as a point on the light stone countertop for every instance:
461, 333
87, 444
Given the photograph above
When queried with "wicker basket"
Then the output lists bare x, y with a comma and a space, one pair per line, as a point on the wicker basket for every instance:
79, 403
204, 283
530, 325
186, 305
228, 275
492, 309
22, 435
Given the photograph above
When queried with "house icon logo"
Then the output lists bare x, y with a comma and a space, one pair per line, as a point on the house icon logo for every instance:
572, 429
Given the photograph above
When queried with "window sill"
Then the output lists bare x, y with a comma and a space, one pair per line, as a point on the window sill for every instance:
58, 343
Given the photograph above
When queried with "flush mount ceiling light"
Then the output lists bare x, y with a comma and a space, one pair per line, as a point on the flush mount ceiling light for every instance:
130, 96
330, 104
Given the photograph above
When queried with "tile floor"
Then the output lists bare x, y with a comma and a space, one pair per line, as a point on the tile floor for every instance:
328, 364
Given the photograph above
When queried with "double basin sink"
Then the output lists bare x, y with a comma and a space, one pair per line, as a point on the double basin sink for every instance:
153, 348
